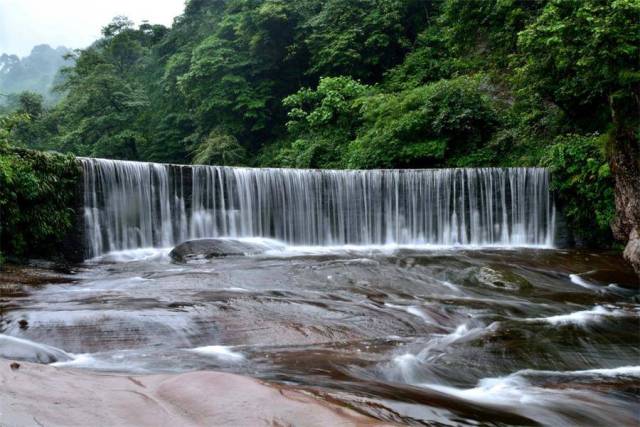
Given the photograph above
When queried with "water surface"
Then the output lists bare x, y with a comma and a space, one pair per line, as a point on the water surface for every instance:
411, 335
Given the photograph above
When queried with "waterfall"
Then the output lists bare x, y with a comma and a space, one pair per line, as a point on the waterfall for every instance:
131, 205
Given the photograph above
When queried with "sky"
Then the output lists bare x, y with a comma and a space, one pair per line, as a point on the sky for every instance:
72, 23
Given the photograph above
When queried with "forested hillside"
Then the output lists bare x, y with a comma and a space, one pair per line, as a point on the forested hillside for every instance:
363, 84
36, 72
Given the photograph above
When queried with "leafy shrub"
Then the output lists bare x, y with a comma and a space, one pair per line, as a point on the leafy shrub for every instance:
123, 145
321, 123
422, 126
219, 148
37, 191
581, 177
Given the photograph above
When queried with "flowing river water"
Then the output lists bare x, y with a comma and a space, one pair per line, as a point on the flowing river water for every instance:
409, 333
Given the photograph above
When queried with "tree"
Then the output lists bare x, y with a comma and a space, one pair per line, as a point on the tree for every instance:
580, 54
583, 55
361, 38
322, 123
31, 103
422, 127
7, 124
219, 148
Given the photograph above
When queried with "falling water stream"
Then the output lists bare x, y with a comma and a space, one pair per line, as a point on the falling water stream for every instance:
428, 297
132, 205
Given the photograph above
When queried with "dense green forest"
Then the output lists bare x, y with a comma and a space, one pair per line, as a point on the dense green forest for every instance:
360, 84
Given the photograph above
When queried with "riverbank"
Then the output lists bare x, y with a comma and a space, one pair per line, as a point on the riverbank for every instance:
40, 395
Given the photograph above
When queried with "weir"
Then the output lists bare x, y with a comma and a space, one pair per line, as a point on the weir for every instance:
129, 205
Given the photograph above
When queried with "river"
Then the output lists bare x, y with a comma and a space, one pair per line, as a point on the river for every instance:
406, 334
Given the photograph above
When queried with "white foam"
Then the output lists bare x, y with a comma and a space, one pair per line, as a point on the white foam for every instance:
407, 364
390, 248
277, 248
84, 360
103, 362
219, 351
419, 313
140, 254
577, 280
448, 285
510, 389
548, 406
583, 317
632, 371
412, 309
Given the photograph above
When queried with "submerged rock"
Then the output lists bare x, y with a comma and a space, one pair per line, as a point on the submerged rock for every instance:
204, 249
502, 279
21, 349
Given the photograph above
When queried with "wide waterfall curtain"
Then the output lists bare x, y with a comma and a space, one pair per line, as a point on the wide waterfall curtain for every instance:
131, 205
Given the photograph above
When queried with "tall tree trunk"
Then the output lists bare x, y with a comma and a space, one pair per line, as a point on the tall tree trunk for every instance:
624, 160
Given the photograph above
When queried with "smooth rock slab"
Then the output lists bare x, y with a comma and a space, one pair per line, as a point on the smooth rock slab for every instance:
204, 249
44, 395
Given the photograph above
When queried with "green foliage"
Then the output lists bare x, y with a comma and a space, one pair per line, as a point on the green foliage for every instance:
429, 61
121, 145
219, 148
578, 53
382, 35
321, 123
486, 31
362, 83
37, 191
581, 176
8, 123
420, 127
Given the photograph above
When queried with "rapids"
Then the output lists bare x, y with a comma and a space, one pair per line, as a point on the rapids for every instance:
412, 335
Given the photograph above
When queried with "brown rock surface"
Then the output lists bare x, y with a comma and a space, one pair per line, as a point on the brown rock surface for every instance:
624, 161
43, 395
632, 250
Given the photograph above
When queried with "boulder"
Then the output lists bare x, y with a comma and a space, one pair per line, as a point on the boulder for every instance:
21, 349
205, 249
502, 279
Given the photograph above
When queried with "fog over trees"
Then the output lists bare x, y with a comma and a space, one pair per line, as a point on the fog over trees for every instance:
38, 72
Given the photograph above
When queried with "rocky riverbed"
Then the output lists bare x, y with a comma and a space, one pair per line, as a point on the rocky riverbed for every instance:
410, 335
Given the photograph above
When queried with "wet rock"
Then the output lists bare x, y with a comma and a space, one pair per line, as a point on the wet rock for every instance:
502, 280
204, 249
21, 349
632, 251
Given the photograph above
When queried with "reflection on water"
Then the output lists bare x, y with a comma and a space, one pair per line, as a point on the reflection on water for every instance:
411, 335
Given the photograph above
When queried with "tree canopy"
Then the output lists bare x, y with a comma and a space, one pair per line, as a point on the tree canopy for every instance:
354, 83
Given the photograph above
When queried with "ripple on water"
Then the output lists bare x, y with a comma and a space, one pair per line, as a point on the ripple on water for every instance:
489, 331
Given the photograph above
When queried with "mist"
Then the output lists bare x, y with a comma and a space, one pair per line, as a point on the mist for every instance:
72, 23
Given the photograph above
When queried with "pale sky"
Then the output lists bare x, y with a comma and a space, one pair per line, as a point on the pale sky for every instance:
72, 23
